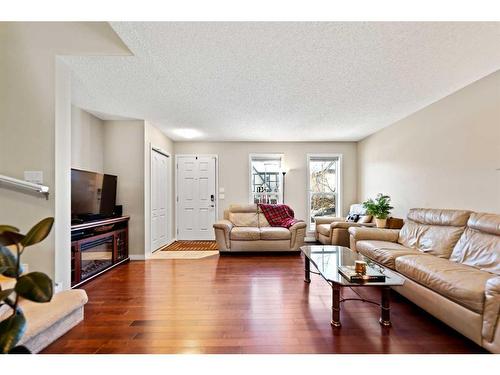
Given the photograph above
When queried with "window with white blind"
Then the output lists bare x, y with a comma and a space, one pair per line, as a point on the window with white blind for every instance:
324, 186
266, 178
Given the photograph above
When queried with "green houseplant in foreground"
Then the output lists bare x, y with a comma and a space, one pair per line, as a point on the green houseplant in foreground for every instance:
380, 208
34, 286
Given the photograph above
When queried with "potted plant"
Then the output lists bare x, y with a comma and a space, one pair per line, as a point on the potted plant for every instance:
33, 286
380, 208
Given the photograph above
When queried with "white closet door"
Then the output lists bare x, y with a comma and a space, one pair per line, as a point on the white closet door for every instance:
159, 199
196, 205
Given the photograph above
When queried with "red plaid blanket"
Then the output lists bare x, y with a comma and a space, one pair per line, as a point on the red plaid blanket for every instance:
278, 215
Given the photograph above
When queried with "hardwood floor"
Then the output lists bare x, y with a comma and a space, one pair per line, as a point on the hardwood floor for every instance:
241, 304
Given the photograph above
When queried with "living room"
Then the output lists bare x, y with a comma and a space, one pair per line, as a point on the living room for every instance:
250, 187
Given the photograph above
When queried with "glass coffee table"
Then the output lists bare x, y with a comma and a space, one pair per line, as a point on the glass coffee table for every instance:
326, 259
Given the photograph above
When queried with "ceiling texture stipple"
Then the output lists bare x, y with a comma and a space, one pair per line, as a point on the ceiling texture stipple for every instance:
298, 81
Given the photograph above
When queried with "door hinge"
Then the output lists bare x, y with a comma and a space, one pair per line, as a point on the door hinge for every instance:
177, 198
177, 230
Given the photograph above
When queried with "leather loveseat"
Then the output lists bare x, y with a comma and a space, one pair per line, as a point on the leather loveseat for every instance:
450, 260
245, 228
334, 230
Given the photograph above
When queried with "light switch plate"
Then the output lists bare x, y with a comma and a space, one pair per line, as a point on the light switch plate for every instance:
221, 196
35, 177
221, 190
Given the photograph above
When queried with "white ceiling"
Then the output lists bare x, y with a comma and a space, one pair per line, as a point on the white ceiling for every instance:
283, 81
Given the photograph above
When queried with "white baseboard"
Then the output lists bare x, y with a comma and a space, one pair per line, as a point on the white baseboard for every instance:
137, 257
309, 239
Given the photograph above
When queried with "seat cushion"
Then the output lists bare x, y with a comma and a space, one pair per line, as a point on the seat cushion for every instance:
324, 229
275, 233
245, 233
462, 284
384, 252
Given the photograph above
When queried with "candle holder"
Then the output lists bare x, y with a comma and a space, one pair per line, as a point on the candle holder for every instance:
360, 267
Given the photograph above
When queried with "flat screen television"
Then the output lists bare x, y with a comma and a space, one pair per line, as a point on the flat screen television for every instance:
93, 195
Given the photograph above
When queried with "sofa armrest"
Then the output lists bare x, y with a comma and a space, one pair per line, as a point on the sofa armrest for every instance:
491, 309
327, 219
298, 232
222, 229
376, 234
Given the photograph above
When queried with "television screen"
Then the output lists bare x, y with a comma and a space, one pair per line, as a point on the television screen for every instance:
93, 195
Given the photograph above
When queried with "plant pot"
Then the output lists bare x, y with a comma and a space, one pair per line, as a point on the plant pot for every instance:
380, 223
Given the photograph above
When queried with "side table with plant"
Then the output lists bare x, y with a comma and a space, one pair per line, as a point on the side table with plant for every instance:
380, 208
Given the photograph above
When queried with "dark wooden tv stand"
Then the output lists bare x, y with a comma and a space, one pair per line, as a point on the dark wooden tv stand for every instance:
96, 247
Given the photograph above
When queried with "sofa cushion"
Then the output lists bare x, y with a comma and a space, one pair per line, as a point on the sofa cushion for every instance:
384, 252
479, 245
263, 221
433, 231
244, 219
462, 284
275, 233
245, 233
324, 229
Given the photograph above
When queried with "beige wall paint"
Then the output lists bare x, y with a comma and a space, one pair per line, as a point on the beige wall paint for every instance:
446, 155
154, 137
87, 141
234, 174
27, 115
124, 157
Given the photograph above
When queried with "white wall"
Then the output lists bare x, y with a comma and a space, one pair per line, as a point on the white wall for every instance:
153, 137
28, 117
124, 157
87, 141
234, 174
446, 155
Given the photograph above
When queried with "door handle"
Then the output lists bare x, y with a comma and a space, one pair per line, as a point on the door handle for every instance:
212, 198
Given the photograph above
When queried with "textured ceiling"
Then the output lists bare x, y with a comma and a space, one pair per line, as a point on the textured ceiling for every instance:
283, 81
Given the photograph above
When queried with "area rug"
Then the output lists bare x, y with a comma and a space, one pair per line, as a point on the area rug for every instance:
187, 255
191, 246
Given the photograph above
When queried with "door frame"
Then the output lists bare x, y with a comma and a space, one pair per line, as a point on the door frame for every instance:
152, 149
176, 197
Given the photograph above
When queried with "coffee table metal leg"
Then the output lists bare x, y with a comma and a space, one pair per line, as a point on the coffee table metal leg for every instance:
385, 307
335, 306
307, 270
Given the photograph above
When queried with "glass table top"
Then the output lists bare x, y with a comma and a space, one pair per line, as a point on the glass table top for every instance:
328, 258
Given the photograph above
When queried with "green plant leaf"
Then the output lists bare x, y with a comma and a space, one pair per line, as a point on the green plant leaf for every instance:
9, 228
8, 262
8, 238
35, 286
5, 293
39, 232
11, 331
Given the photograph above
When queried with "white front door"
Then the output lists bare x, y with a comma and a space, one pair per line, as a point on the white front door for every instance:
159, 199
196, 202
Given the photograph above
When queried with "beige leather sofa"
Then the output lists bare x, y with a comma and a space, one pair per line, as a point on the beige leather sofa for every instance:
245, 228
46, 322
335, 230
450, 260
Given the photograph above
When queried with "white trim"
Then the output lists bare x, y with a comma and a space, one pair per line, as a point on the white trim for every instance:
280, 156
216, 195
134, 257
169, 194
340, 185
